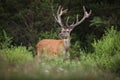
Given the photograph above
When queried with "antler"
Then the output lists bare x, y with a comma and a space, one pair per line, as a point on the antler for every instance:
86, 15
60, 12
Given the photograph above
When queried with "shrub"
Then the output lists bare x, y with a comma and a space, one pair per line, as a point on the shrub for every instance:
13, 54
115, 67
106, 53
75, 50
5, 40
106, 48
16, 55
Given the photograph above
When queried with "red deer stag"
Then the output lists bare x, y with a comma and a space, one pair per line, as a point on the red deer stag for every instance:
53, 47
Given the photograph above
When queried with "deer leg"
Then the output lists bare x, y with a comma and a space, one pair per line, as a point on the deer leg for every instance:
39, 56
66, 55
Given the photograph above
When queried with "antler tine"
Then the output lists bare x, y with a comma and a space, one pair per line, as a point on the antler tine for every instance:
89, 13
65, 11
71, 26
86, 15
84, 9
59, 9
67, 21
77, 18
60, 12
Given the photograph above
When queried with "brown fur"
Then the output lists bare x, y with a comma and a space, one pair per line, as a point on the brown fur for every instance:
50, 47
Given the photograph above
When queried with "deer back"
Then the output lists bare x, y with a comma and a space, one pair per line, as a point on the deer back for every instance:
50, 47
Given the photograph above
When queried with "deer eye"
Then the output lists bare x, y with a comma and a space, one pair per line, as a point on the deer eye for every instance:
63, 31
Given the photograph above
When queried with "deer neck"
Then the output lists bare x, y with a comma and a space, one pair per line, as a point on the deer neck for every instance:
67, 43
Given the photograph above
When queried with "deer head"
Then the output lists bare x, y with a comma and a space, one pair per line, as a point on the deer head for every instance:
67, 28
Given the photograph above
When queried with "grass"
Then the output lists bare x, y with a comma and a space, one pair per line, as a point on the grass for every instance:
53, 70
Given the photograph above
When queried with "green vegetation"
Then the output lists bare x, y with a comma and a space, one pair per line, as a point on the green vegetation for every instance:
95, 44
102, 64
106, 51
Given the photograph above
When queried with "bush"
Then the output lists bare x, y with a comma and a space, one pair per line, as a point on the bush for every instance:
13, 54
75, 50
115, 67
16, 55
107, 48
106, 53
5, 40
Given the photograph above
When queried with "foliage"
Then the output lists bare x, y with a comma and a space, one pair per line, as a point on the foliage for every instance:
13, 54
116, 63
97, 21
27, 19
105, 21
16, 55
106, 51
75, 50
5, 40
49, 34
88, 68
22, 22
109, 44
